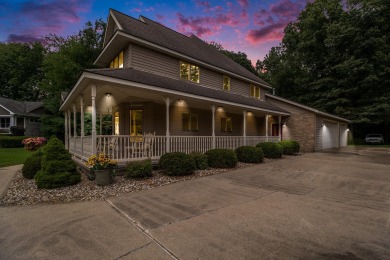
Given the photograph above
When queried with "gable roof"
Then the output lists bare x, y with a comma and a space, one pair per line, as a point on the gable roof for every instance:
19, 107
133, 75
156, 33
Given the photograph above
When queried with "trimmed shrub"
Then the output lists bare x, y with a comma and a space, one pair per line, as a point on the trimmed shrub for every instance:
11, 141
17, 130
221, 158
139, 169
200, 160
58, 168
249, 154
290, 147
32, 165
177, 164
271, 150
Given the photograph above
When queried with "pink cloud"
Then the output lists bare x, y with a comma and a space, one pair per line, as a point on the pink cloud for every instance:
268, 33
138, 10
160, 17
243, 3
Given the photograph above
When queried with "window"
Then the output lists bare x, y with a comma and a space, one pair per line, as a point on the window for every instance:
189, 72
189, 122
226, 83
34, 120
135, 122
117, 62
226, 124
116, 123
255, 91
5, 122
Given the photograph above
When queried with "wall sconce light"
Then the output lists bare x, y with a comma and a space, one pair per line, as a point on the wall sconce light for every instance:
180, 100
108, 94
220, 108
348, 129
323, 124
284, 123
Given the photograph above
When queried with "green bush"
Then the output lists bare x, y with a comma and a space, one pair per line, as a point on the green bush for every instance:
32, 165
139, 169
290, 147
249, 154
11, 141
221, 158
200, 160
58, 168
271, 150
177, 163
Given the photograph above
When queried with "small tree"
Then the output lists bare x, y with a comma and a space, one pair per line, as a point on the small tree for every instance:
58, 168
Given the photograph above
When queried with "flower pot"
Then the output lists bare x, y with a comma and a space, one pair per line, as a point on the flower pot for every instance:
103, 177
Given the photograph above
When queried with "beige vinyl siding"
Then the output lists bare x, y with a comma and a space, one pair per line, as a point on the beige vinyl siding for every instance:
204, 121
126, 58
236, 121
211, 79
255, 126
154, 62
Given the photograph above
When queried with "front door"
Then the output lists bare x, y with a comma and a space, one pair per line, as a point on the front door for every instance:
275, 129
136, 120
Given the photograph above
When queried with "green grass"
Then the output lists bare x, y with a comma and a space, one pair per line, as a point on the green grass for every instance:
13, 156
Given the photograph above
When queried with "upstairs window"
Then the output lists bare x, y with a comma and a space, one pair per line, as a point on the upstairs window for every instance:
190, 122
189, 72
226, 83
255, 91
226, 124
117, 62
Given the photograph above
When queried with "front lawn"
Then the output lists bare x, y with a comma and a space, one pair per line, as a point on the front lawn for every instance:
13, 156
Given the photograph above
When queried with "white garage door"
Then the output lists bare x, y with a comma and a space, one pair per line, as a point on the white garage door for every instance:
343, 135
330, 135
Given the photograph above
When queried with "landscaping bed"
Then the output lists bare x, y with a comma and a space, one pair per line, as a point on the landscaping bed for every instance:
25, 192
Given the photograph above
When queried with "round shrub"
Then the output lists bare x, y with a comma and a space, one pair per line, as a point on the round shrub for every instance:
290, 147
271, 150
249, 154
139, 169
177, 163
200, 160
221, 158
32, 165
58, 168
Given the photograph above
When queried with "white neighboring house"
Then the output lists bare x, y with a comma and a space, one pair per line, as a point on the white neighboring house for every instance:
21, 113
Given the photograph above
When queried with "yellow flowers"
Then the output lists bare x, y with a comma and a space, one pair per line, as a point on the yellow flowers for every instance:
101, 162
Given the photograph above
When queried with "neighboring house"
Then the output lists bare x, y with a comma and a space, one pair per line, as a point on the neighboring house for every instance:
20, 113
184, 92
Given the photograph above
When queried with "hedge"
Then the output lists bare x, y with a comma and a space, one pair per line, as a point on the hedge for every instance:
271, 150
11, 141
177, 163
139, 169
200, 160
249, 154
221, 158
290, 147
32, 165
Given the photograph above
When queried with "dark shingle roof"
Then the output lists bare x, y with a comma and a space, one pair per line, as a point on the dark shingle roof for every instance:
19, 107
134, 75
192, 46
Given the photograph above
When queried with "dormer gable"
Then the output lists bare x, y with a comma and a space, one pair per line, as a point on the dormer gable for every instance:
112, 26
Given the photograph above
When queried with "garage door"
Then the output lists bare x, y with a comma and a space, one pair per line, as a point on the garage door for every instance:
330, 135
343, 135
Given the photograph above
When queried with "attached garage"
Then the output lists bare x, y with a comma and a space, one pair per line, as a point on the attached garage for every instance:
330, 134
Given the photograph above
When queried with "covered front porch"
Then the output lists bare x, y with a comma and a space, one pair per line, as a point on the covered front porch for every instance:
131, 121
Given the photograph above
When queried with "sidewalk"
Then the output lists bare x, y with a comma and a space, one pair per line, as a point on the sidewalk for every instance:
6, 176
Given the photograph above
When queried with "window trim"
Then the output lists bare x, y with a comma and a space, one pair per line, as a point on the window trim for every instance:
255, 89
223, 83
224, 127
9, 122
189, 126
189, 65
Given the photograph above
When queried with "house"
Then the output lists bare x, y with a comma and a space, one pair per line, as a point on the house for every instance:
169, 92
20, 113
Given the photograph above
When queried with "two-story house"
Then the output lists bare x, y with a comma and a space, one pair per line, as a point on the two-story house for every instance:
169, 92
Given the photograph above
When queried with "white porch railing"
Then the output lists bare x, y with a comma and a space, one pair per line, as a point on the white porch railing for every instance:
126, 148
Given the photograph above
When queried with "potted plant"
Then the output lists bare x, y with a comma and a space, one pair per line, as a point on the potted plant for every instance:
102, 167
33, 143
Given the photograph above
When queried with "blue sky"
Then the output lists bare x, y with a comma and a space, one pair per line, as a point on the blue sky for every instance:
249, 26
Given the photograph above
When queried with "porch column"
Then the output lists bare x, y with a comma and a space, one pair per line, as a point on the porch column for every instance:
280, 129
244, 125
167, 134
266, 128
74, 121
93, 96
66, 129
82, 115
213, 126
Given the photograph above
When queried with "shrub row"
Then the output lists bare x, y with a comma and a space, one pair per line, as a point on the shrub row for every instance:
249, 154
290, 147
271, 150
11, 141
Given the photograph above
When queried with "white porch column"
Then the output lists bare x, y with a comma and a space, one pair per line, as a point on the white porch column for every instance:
280, 129
93, 96
74, 121
82, 115
167, 134
244, 125
266, 127
213, 126
66, 129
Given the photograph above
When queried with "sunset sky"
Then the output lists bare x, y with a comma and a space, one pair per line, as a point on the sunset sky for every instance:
249, 26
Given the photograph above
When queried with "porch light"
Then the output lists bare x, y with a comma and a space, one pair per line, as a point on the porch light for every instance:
180, 100
348, 129
323, 124
220, 108
284, 123
108, 94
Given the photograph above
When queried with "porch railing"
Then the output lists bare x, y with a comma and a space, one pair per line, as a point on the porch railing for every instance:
127, 148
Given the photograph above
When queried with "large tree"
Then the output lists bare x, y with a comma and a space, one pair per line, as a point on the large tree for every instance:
335, 57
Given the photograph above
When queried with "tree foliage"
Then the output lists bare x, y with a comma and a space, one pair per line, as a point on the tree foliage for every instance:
335, 57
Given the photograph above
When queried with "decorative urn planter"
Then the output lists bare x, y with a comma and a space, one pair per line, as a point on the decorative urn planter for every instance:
103, 177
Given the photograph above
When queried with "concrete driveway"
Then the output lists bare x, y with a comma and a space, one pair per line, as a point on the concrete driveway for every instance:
332, 205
